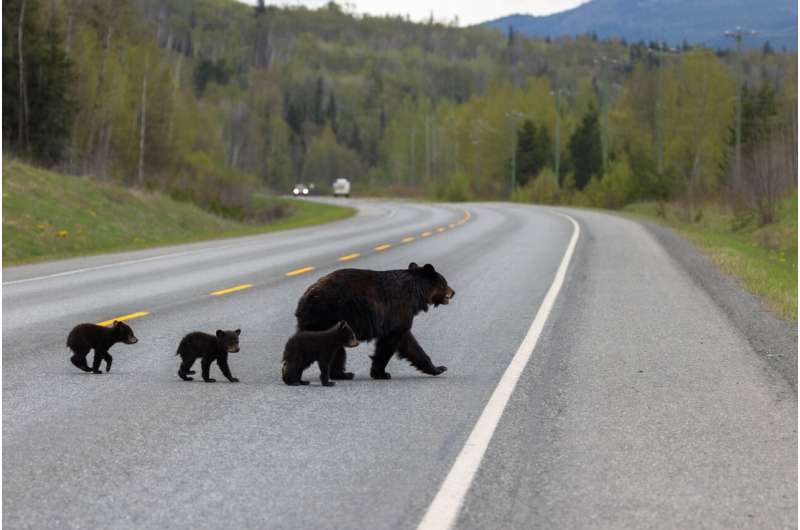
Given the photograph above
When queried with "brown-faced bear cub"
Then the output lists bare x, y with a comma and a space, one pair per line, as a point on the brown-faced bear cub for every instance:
85, 337
306, 347
209, 348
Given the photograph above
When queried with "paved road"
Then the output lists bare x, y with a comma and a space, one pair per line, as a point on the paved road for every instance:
642, 405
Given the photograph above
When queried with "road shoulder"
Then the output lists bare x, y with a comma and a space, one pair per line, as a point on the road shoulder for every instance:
772, 337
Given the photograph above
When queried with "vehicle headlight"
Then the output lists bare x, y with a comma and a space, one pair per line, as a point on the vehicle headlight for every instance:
295, 191
305, 192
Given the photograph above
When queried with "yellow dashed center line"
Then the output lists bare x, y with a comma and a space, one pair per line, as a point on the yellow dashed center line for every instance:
299, 271
426, 234
123, 317
408, 239
349, 257
231, 289
440, 229
380, 248
452, 225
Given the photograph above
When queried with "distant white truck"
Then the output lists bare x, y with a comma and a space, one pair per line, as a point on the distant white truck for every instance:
341, 188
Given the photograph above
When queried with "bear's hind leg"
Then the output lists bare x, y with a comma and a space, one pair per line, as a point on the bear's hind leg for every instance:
185, 369
338, 366
109, 360
78, 359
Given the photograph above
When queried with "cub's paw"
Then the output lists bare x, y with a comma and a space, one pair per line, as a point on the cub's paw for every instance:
439, 370
190, 372
97, 371
329, 383
302, 382
343, 376
78, 364
234, 379
210, 380
375, 374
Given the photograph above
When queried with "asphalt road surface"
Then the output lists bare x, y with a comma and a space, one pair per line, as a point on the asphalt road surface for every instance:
641, 406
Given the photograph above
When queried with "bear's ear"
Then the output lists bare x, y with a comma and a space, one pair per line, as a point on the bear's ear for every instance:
117, 323
428, 268
238, 332
220, 333
342, 324
412, 266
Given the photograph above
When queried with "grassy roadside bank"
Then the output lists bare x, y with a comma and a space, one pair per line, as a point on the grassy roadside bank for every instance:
47, 215
763, 257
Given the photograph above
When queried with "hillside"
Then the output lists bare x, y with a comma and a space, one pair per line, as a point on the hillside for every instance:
47, 215
673, 21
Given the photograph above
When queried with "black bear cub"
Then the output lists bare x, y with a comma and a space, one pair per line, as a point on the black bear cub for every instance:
209, 348
86, 337
307, 347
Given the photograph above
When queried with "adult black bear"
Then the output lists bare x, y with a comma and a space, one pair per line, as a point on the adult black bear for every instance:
378, 305
85, 337
209, 348
308, 347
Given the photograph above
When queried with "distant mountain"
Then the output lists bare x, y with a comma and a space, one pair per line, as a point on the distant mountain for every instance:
696, 21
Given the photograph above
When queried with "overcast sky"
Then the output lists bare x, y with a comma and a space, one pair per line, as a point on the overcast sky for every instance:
468, 11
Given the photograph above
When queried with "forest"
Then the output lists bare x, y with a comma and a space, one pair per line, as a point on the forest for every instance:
212, 100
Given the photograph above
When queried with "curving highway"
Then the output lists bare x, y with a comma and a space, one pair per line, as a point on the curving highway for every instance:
638, 404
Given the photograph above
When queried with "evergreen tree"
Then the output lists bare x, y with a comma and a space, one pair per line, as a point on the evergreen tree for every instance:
38, 107
585, 149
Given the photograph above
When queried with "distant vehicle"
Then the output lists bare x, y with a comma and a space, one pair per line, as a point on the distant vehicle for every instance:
300, 190
341, 188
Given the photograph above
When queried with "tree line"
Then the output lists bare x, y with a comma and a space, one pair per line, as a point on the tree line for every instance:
209, 100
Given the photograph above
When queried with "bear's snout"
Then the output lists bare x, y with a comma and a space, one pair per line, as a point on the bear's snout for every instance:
132, 340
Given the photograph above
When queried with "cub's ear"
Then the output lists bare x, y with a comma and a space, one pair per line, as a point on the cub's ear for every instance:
428, 268
220, 333
412, 266
117, 323
342, 324
238, 332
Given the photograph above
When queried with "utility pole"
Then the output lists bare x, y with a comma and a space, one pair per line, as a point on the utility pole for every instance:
412, 168
557, 151
738, 34
660, 111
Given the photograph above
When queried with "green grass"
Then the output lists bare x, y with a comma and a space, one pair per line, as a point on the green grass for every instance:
763, 257
47, 215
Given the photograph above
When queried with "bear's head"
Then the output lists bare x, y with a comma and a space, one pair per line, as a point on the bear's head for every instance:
346, 334
437, 292
125, 333
229, 340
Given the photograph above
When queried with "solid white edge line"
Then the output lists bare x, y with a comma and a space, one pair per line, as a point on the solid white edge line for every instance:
110, 265
443, 512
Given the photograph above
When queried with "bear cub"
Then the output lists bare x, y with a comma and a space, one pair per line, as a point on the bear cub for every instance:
86, 337
209, 348
307, 347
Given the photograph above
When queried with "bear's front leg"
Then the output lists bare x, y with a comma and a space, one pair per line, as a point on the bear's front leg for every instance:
384, 349
99, 355
338, 366
109, 360
206, 369
226, 371
410, 350
324, 363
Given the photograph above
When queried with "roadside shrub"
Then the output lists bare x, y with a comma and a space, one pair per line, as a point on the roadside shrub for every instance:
540, 190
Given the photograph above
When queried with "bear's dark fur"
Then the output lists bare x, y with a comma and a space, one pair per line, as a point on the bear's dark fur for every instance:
209, 348
378, 305
85, 337
307, 347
